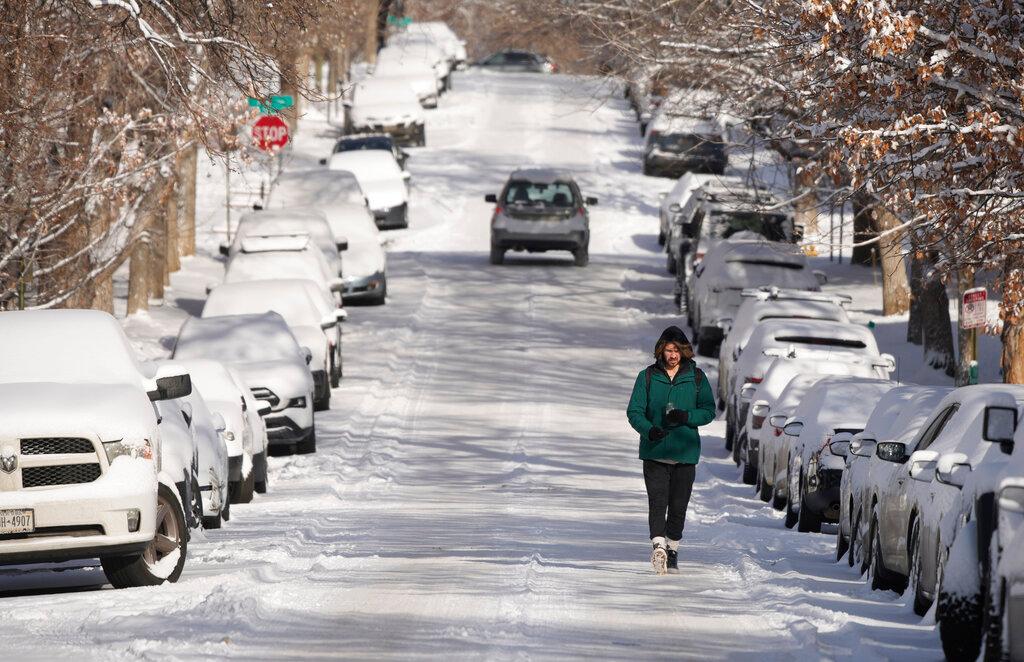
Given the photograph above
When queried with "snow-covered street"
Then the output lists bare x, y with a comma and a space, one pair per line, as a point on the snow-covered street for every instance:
476, 491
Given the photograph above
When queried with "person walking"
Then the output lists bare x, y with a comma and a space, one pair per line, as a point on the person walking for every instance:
671, 399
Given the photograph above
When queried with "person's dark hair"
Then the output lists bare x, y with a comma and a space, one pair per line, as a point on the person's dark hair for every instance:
675, 336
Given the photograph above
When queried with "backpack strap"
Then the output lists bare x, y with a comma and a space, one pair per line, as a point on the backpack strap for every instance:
647, 377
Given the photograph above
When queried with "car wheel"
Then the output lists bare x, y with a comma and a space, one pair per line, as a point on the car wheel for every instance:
306, 446
791, 515
856, 549
661, 238
778, 500
497, 255
242, 491
323, 403
842, 544
749, 473
764, 490
922, 603
196, 516
882, 579
581, 256
225, 512
259, 467
730, 436
164, 558
807, 521
670, 264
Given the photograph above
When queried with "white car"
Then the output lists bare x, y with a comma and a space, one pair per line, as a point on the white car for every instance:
898, 414
337, 194
305, 310
209, 429
901, 532
288, 222
387, 105
385, 184
265, 257
245, 437
733, 266
807, 338
421, 76
444, 37
772, 303
80, 449
179, 457
758, 439
263, 349
833, 405
672, 202
405, 47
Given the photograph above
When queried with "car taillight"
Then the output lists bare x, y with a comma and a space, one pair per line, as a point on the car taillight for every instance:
697, 257
778, 431
581, 211
753, 380
498, 210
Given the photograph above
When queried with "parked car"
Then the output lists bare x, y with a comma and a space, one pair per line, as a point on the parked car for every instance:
806, 338
208, 428
245, 436
757, 437
898, 415
540, 210
263, 257
385, 184
832, 406
314, 322
288, 222
768, 303
672, 202
899, 532
445, 39
79, 423
1002, 619
337, 194
263, 349
372, 141
516, 60
389, 106
404, 47
646, 87
421, 76
677, 145
179, 457
732, 266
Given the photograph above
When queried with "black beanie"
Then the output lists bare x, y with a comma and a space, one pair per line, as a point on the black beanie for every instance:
672, 334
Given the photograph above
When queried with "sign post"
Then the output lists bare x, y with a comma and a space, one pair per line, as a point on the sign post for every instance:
974, 316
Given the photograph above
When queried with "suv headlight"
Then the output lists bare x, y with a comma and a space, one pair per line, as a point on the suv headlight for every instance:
135, 450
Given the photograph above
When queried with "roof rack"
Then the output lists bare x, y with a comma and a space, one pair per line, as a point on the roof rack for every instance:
773, 293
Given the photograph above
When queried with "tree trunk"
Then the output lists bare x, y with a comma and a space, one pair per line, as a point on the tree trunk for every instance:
157, 251
288, 62
806, 208
915, 335
895, 290
103, 292
862, 230
936, 324
138, 275
187, 167
964, 347
170, 209
370, 44
1012, 360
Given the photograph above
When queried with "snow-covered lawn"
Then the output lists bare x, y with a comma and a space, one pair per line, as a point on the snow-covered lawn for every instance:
476, 491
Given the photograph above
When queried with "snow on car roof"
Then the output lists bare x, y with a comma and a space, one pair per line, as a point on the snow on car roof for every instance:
843, 399
305, 188
65, 346
305, 214
277, 264
797, 331
791, 309
542, 175
212, 379
760, 250
903, 410
289, 298
237, 339
665, 123
366, 164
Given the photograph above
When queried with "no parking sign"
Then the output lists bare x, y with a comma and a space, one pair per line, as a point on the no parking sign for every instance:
974, 309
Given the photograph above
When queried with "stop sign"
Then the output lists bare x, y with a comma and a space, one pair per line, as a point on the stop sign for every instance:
270, 131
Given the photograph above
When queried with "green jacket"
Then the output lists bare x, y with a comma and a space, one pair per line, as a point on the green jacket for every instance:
682, 444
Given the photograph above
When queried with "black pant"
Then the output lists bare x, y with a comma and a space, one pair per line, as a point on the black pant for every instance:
668, 488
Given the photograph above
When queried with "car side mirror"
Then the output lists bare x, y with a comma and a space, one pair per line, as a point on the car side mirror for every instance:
591, 201
863, 447
307, 354
840, 444
406, 175
821, 276
777, 421
170, 382
257, 206
218, 422
794, 429
224, 248
953, 469
264, 408
891, 451
999, 426
322, 161
335, 284
922, 465
341, 245
491, 197
675, 208
328, 322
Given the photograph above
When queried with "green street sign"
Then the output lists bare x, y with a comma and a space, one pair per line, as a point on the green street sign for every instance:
401, 21
277, 102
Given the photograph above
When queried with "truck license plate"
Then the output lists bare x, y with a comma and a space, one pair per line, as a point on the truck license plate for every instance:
17, 521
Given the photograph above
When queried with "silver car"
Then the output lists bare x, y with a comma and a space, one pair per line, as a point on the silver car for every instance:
540, 210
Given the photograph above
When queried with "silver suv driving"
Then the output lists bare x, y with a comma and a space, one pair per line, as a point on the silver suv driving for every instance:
540, 210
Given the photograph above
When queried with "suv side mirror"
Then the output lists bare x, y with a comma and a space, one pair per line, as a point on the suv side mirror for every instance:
591, 200
891, 451
794, 428
777, 421
953, 469
1000, 424
922, 465
169, 383
224, 248
341, 245
840, 444
863, 447
491, 197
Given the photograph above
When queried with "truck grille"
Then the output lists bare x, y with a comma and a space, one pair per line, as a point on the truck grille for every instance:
55, 446
67, 474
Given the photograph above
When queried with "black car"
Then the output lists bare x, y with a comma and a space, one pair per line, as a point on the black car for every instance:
381, 141
514, 60
678, 145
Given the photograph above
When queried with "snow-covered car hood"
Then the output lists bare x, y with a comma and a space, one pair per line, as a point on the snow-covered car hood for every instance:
422, 81
386, 114
314, 338
287, 379
385, 193
44, 409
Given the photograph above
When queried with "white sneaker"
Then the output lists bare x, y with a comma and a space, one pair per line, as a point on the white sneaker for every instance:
659, 559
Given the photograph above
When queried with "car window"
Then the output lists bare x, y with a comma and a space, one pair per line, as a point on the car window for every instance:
496, 59
935, 429
557, 194
521, 58
723, 225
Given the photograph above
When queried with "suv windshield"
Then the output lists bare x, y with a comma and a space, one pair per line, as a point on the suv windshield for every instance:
677, 143
557, 194
725, 224
370, 142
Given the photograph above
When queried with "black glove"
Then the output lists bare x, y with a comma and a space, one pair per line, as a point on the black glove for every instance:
677, 417
656, 434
